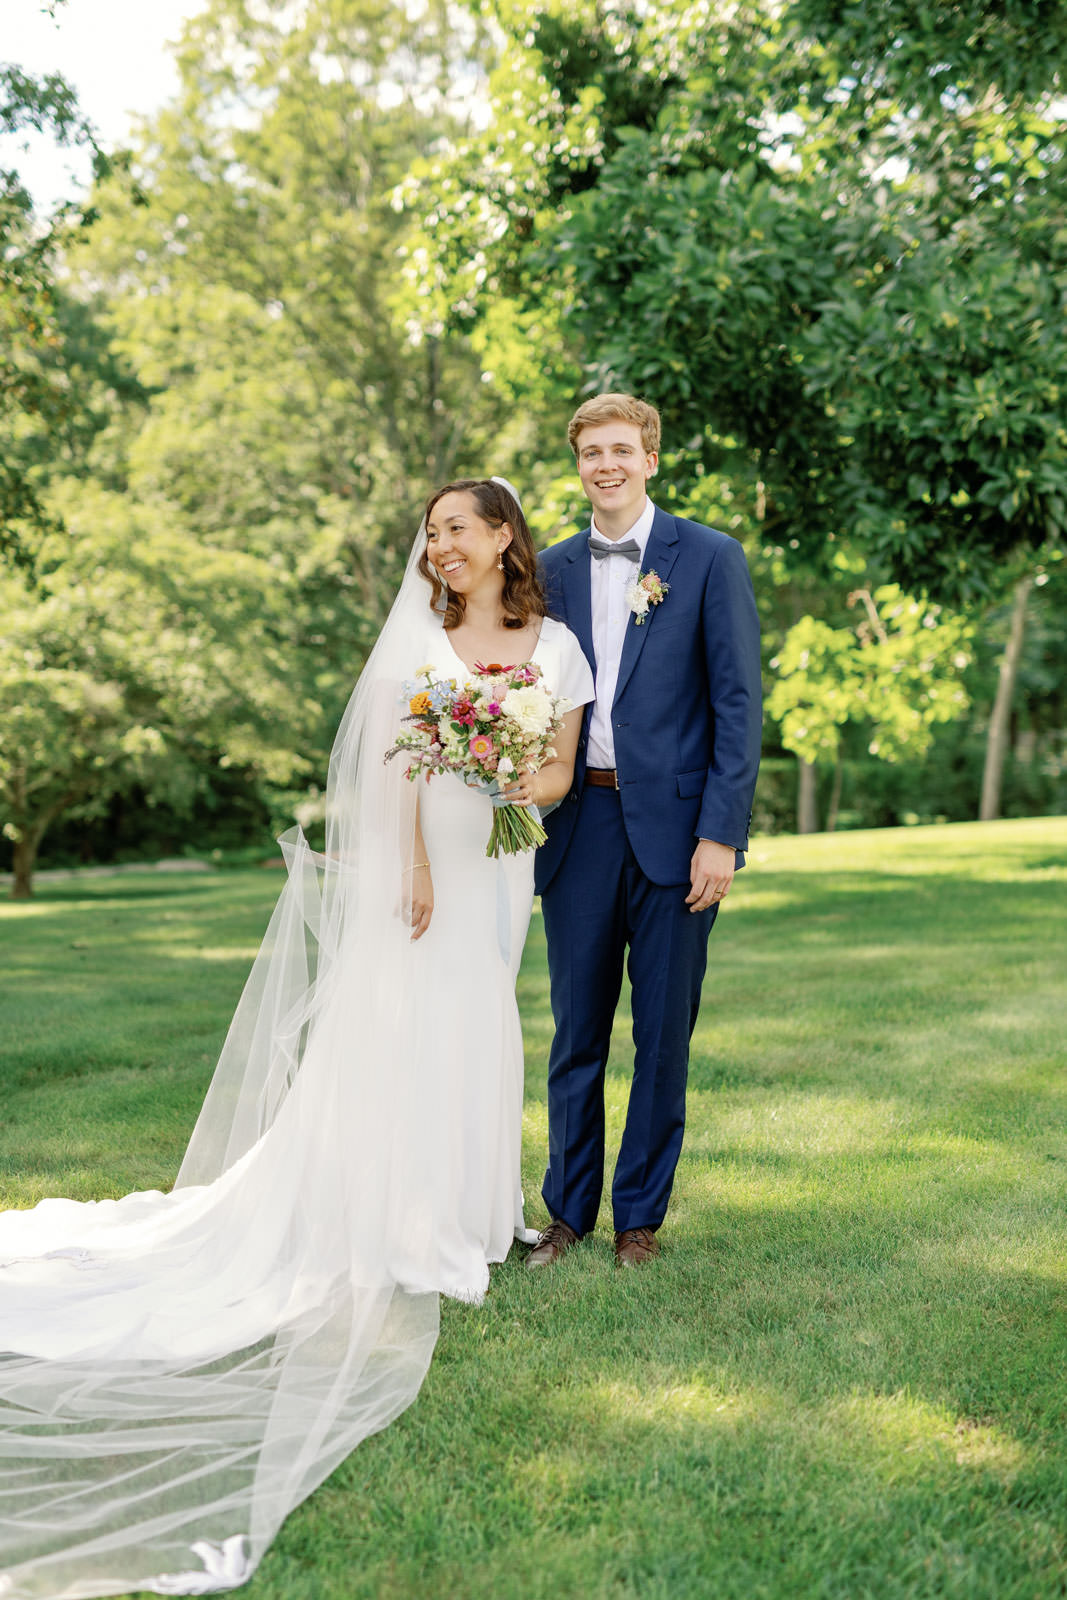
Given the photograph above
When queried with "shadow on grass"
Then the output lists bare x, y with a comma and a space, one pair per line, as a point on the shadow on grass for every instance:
781, 1408
844, 1376
119, 890
121, 974
909, 901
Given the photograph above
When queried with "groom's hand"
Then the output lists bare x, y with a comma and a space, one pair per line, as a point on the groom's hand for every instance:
711, 873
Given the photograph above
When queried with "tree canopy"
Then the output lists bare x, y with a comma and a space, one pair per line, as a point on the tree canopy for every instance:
834, 236
348, 263
256, 407
38, 400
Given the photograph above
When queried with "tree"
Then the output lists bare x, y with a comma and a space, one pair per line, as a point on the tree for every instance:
894, 382
35, 394
1000, 716
259, 398
741, 234
1020, 678
138, 656
252, 287
899, 671
920, 51
246, 251
947, 378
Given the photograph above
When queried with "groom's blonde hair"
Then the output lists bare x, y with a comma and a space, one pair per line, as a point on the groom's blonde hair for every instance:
616, 408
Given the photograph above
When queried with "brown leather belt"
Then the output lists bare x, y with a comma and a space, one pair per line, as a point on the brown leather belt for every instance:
602, 777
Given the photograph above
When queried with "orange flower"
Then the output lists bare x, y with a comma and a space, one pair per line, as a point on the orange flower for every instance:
419, 704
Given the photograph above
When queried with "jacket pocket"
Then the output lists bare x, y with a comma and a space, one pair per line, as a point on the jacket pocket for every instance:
692, 783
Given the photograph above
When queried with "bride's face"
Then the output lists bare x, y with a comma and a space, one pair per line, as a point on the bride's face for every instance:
462, 545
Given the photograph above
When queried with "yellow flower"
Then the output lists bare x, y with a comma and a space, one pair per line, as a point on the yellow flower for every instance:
419, 704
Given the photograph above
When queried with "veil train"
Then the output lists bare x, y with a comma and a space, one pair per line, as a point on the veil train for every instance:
180, 1370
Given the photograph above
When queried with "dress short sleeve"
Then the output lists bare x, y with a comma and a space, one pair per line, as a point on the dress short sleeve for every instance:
566, 670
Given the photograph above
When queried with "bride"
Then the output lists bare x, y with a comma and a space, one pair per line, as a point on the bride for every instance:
177, 1371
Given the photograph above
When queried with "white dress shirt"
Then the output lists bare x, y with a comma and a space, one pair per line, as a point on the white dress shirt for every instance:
608, 583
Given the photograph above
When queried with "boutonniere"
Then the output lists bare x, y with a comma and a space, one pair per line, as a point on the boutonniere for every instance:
646, 590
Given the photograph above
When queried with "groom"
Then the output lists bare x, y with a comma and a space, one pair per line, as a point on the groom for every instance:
642, 851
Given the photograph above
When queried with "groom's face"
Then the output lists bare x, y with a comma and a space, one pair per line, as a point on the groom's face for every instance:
614, 467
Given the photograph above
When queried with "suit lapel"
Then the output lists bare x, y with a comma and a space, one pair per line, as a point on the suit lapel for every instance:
660, 553
578, 596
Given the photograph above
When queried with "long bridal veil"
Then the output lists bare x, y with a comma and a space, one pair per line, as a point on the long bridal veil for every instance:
180, 1370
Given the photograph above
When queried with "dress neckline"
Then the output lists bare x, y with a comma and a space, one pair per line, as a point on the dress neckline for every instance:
466, 668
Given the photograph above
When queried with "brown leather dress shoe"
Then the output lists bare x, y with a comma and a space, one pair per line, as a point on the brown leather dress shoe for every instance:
553, 1243
634, 1246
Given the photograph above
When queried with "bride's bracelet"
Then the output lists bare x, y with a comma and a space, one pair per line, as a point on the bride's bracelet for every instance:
416, 865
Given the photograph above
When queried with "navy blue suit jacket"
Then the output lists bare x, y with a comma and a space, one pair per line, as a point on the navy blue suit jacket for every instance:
687, 711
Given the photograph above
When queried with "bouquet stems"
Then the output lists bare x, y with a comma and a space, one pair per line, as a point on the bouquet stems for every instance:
514, 829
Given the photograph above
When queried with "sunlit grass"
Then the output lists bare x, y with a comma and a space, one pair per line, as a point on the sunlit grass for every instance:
845, 1376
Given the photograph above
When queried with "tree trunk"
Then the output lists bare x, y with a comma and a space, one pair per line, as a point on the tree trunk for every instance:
1000, 717
26, 847
807, 813
835, 796
22, 866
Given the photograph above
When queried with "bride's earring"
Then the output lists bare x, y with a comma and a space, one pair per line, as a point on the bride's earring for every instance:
500, 561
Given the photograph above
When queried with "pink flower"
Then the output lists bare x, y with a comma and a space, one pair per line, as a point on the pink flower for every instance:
647, 590
481, 746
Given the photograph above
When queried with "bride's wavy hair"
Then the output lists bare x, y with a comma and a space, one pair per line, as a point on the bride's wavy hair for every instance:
523, 595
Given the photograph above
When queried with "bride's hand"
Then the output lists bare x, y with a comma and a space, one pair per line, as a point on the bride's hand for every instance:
520, 790
421, 905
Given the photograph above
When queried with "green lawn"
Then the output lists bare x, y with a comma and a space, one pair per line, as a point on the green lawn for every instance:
847, 1374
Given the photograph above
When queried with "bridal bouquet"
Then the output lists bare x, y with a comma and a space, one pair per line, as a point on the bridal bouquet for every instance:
484, 730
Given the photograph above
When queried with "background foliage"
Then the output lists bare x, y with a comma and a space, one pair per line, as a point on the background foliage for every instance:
366, 250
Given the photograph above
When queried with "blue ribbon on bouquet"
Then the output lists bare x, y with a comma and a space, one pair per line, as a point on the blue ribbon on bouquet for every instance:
496, 795
493, 791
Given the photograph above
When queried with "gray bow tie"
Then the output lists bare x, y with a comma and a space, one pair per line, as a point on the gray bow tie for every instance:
628, 548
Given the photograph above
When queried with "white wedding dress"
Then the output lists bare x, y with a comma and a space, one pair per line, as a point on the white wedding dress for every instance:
177, 1371
469, 960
